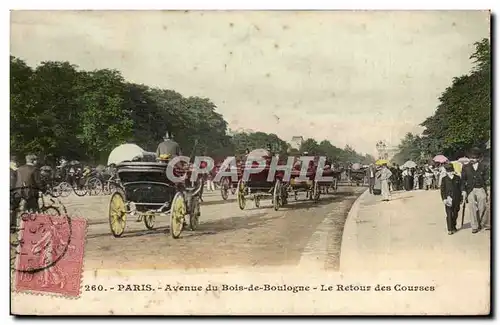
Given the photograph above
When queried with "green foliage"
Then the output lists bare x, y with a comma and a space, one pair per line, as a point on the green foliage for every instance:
242, 141
462, 119
58, 110
325, 148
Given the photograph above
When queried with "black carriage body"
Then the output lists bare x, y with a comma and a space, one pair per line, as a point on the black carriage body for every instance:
258, 182
146, 184
358, 175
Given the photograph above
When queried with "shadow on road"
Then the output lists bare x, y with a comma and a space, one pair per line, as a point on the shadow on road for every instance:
302, 203
235, 223
207, 228
131, 233
466, 226
218, 202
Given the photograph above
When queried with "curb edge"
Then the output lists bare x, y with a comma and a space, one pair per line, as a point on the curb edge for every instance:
350, 226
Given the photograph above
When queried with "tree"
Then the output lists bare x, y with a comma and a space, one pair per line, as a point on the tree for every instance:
310, 146
21, 103
59, 110
104, 121
145, 112
409, 149
46, 119
462, 119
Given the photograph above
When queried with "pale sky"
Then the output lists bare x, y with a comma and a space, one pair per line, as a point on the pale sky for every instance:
349, 77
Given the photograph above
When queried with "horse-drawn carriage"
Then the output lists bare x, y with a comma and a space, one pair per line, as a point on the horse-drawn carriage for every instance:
255, 186
228, 184
145, 191
334, 184
309, 183
356, 174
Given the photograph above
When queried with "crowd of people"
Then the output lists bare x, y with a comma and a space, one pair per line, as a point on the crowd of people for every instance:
462, 184
465, 182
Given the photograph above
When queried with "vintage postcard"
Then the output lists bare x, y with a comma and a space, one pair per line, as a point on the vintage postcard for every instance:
250, 162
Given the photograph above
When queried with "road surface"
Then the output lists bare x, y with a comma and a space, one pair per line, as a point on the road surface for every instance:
227, 236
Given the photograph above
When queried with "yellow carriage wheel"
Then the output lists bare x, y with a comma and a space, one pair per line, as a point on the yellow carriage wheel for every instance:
117, 214
241, 195
177, 213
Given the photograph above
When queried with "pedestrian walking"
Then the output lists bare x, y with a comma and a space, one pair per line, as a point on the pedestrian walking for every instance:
370, 174
442, 173
210, 182
399, 178
428, 177
384, 176
435, 179
404, 175
416, 176
28, 185
13, 173
452, 198
474, 190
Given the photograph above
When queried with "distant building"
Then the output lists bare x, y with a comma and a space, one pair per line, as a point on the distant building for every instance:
296, 142
385, 151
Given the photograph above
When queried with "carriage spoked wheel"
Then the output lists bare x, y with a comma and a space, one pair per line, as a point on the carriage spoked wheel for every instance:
241, 191
94, 186
65, 189
194, 214
80, 190
117, 213
316, 193
109, 188
335, 185
149, 220
177, 214
277, 195
284, 196
224, 188
55, 191
257, 201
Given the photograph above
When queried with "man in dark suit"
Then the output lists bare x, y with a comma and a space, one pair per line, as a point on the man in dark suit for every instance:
475, 191
28, 185
13, 172
452, 198
370, 175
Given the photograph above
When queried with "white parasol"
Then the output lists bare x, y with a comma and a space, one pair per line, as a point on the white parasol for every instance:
125, 152
259, 153
356, 166
409, 164
464, 160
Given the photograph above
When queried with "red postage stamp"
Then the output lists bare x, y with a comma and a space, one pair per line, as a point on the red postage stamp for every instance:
50, 254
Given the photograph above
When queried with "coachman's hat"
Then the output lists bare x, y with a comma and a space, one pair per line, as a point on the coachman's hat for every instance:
475, 153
